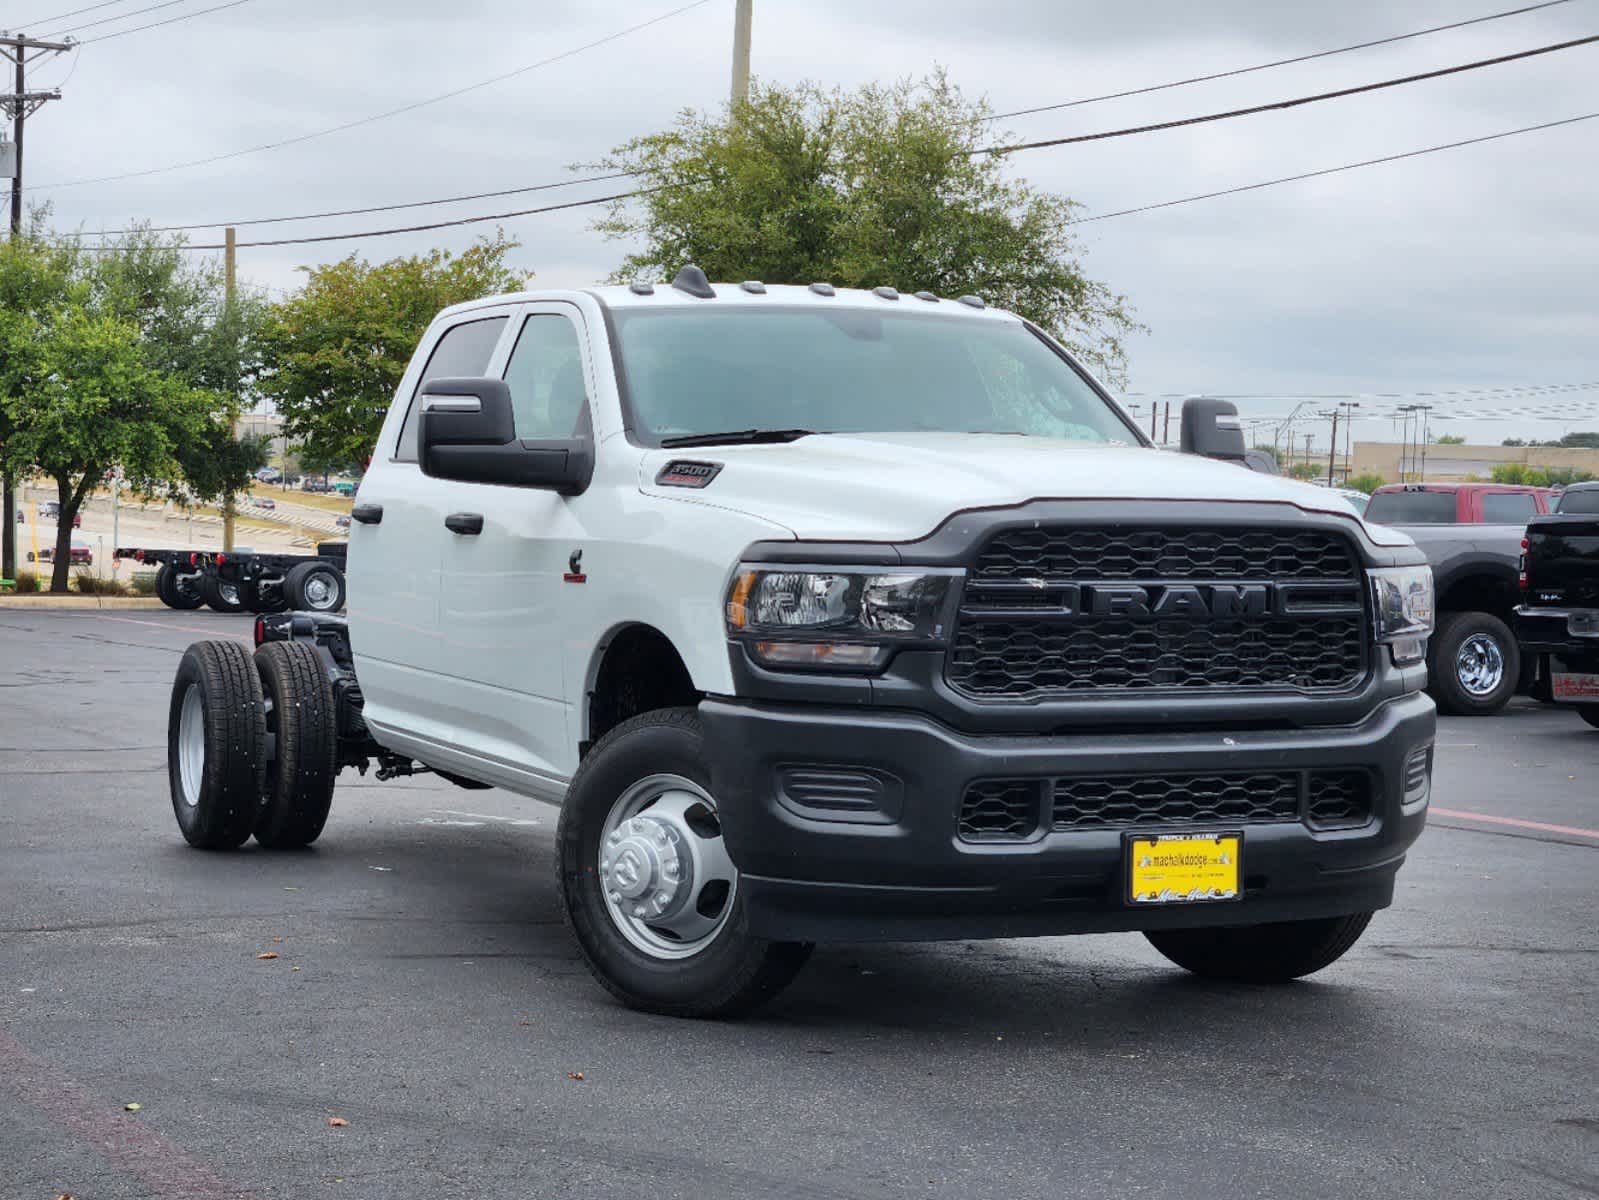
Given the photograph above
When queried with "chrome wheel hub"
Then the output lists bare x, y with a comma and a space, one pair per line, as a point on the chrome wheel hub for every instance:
191, 745
664, 871
318, 591
1480, 665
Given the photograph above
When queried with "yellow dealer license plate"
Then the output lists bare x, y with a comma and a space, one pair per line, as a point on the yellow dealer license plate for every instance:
1184, 868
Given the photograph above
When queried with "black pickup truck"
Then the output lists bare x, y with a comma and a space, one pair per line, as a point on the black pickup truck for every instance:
1558, 618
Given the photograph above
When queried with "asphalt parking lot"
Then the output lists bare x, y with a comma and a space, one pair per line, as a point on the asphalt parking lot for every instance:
425, 991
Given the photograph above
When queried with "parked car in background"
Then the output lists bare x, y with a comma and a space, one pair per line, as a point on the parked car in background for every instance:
313, 485
265, 502
342, 522
1471, 533
269, 475
81, 554
50, 510
344, 489
1557, 622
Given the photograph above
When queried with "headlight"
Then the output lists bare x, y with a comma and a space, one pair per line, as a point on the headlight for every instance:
821, 618
1402, 598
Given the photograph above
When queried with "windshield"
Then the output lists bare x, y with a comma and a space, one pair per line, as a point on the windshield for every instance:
706, 371
1583, 500
1411, 508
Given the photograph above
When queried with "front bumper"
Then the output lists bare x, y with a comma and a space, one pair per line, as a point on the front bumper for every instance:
898, 869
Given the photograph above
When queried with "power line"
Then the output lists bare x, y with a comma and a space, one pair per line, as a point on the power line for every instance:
127, 16
1505, 392
1281, 62
1370, 162
356, 212
1279, 105
394, 112
106, 37
997, 150
75, 12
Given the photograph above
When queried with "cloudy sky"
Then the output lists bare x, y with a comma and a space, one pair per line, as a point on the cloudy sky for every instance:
1476, 268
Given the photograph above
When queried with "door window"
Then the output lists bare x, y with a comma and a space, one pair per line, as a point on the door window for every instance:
463, 352
545, 376
1508, 508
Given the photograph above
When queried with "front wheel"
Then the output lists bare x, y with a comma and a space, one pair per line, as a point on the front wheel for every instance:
176, 590
648, 887
1261, 953
1473, 665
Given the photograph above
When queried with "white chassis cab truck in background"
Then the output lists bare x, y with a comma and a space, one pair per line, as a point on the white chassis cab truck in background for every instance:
832, 616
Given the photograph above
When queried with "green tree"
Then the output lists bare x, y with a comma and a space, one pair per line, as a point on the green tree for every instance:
339, 347
1587, 440
1367, 483
1518, 474
880, 186
1514, 442
85, 400
1452, 439
1306, 470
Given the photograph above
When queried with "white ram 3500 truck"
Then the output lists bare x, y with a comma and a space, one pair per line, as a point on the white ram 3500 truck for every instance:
829, 615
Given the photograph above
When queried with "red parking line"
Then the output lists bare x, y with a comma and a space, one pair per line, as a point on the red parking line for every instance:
1515, 822
124, 1140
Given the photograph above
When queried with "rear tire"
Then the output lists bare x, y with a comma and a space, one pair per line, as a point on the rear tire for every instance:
1473, 665
216, 745
174, 591
314, 587
729, 971
298, 786
220, 595
1589, 713
1261, 953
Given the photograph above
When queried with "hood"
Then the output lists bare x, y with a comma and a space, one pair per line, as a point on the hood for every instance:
901, 486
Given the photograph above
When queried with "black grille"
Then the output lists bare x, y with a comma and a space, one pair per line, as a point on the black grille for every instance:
1236, 799
1027, 630
1008, 809
1339, 799
1075, 552
1000, 810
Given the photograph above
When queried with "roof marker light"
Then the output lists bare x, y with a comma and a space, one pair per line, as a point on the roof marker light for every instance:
973, 302
754, 287
927, 296
886, 293
823, 289
641, 287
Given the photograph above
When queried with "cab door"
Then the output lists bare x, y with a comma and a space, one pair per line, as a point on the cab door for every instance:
397, 536
504, 568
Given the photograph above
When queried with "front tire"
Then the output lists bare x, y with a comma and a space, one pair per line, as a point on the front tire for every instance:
314, 587
1473, 665
298, 787
216, 745
648, 889
1276, 953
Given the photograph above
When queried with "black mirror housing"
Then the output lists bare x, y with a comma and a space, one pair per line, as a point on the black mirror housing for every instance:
1210, 428
468, 433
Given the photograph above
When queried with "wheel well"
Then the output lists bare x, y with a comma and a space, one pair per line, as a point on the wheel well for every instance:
1479, 593
641, 671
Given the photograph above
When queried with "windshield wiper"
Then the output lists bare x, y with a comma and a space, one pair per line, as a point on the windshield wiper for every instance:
738, 436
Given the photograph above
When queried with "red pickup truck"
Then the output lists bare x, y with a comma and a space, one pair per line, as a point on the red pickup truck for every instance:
1471, 534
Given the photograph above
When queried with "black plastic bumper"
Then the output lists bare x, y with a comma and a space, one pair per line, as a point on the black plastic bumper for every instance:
894, 867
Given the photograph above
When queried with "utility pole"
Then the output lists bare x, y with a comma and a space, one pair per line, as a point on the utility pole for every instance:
1165, 429
1332, 448
743, 18
1424, 432
230, 282
19, 105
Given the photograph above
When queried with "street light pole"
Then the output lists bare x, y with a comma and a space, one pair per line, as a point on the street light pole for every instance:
743, 18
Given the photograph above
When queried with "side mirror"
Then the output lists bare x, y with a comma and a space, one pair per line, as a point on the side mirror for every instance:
1211, 429
468, 433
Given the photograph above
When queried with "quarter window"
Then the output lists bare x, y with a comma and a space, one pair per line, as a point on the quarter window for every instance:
1508, 508
545, 376
463, 352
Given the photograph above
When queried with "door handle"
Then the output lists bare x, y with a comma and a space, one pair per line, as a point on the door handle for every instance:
368, 514
470, 524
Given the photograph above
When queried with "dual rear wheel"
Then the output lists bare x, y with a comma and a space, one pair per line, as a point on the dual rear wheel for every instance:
252, 745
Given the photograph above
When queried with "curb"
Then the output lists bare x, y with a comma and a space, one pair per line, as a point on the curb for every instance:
45, 602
